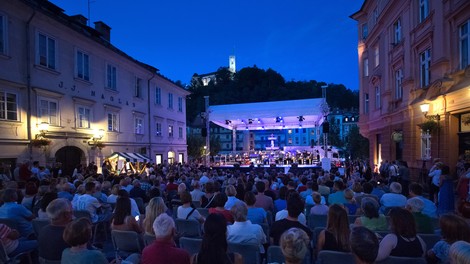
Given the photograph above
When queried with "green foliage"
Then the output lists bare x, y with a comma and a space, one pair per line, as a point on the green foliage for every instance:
195, 145
356, 145
429, 125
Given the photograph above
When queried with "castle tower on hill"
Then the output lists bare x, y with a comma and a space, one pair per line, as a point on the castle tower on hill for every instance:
232, 64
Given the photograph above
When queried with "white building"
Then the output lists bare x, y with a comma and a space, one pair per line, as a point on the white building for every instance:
55, 69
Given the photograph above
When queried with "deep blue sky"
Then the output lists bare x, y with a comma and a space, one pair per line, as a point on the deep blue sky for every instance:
301, 39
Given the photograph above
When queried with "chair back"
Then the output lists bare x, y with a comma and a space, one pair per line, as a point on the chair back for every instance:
81, 213
250, 252
38, 224
47, 261
274, 255
148, 239
328, 256
269, 217
316, 233
203, 211
3, 254
188, 228
316, 221
401, 260
128, 241
192, 245
140, 204
265, 227
430, 239
9, 222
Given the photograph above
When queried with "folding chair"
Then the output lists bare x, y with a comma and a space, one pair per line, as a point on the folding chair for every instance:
402, 260
250, 252
148, 239
265, 227
47, 261
4, 258
316, 221
188, 228
269, 217
86, 214
140, 204
328, 256
38, 224
203, 211
127, 241
430, 239
192, 245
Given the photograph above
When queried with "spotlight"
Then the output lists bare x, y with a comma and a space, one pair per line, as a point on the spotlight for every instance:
250, 121
301, 118
279, 119
228, 122
246, 128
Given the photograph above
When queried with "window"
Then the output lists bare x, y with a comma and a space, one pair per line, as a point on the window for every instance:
180, 104
377, 97
464, 47
158, 95
139, 125
83, 117
425, 145
397, 32
83, 65
8, 106
170, 100
366, 103
365, 31
170, 131
48, 111
297, 140
366, 67
3, 34
113, 122
46, 51
111, 77
398, 84
376, 15
376, 56
138, 88
180, 132
425, 64
158, 128
423, 10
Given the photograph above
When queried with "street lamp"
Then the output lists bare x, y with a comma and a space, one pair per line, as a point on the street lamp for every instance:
43, 127
205, 154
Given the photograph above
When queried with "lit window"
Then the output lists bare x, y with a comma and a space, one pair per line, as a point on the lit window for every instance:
376, 56
8, 106
139, 125
366, 67
48, 111
83, 117
113, 122
170, 131
158, 128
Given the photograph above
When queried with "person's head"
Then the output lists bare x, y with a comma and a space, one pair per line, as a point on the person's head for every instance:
402, 223
90, 187
367, 187
454, 228
181, 188
123, 193
357, 187
209, 187
10, 195
459, 252
239, 211
364, 244
230, 190
155, 208
370, 207
60, 211
214, 241
294, 245
122, 210
282, 192
295, 204
250, 198
348, 194
260, 186
185, 197
316, 197
338, 225
164, 227
30, 189
415, 205
220, 199
77, 232
47, 199
395, 187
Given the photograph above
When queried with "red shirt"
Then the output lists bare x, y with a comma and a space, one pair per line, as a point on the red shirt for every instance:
171, 187
164, 252
226, 213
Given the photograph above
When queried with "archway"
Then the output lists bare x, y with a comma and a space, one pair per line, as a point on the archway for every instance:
70, 157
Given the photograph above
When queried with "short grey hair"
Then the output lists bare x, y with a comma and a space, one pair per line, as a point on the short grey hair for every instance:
395, 187
415, 204
163, 226
57, 207
239, 211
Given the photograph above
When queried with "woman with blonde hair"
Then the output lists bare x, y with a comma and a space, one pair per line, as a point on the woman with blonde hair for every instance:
294, 245
459, 252
155, 208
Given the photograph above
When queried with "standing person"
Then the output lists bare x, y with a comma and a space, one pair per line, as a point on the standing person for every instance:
435, 174
446, 202
404, 177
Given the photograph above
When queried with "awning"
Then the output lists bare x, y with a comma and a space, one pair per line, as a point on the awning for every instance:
133, 157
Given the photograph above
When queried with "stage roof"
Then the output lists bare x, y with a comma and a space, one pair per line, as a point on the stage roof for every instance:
289, 114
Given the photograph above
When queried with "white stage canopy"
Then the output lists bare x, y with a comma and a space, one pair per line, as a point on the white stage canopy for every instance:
289, 114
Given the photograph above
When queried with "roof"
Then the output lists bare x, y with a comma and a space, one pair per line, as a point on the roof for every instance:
133, 157
289, 114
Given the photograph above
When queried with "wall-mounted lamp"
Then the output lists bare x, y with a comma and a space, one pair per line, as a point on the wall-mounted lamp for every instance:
98, 134
425, 109
43, 128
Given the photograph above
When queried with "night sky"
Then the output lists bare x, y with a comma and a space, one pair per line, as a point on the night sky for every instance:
302, 39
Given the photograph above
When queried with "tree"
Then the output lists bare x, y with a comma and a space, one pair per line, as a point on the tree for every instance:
356, 145
195, 144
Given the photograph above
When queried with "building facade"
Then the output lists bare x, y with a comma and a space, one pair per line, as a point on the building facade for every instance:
64, 83
414, 80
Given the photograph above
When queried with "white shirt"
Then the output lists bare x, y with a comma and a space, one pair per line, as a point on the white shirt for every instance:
231, 200
283, 214
435, 174
196, 195
183, 212
246, 232
88, 203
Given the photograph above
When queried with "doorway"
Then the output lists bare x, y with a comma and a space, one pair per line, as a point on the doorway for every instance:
70, 157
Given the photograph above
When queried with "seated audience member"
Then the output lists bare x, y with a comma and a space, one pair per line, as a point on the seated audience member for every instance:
337, 197
17, 212
318, 208
64, 191
284, 213
377, 189
371, 217
163, 250
134, 208
430, 209
208, 197
219, 202
453, 228
294, 245
364, 245
114, 194
29, 197
13, 243
336, 235
262, 200
91, 204
137, 191
45, 201
280, 203
242, 230
185, 211
423, 222
256, 215
403, 240
350, 204
295, 205
459, 252
367, 188
196, 193
50, 239
393, 199
322, 188
98, 194
122, 218
214, 243
231, 192
155, 208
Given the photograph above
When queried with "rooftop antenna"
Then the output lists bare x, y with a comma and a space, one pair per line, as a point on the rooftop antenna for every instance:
89, 17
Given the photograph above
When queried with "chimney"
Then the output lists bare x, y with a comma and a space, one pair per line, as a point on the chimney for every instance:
80, 19
104, 30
